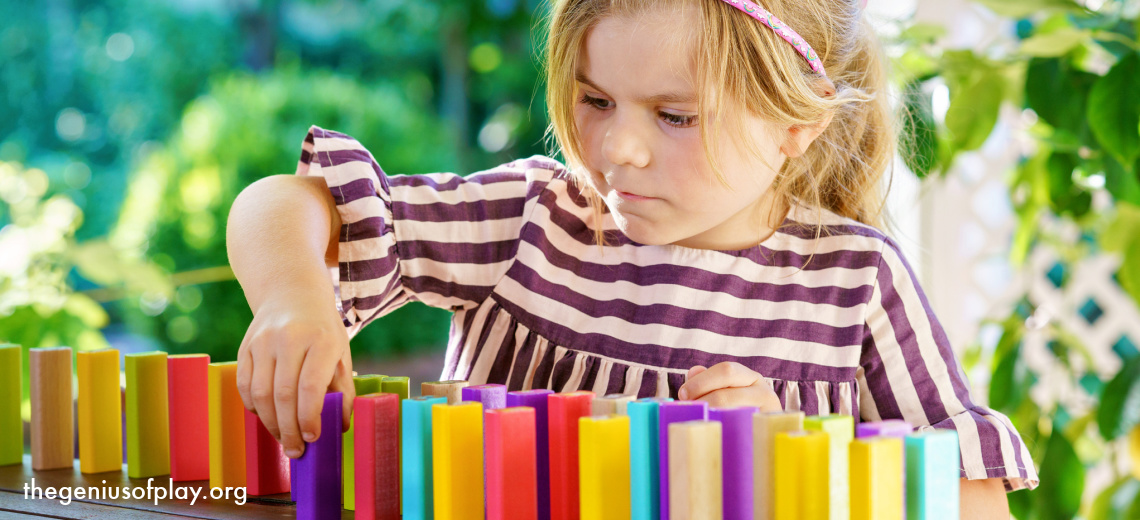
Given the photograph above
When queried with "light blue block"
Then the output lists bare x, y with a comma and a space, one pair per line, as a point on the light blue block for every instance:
415, 426
932, 475
644, 461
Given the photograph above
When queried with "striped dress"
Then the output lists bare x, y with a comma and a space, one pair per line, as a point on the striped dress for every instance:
537, 304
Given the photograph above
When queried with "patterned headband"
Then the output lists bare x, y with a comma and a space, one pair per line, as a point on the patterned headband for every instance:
781, 29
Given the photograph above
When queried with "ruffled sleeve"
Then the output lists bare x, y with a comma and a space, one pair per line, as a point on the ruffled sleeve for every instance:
909, 371
440, 238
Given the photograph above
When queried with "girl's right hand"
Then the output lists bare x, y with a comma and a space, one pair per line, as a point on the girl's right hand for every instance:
292, 354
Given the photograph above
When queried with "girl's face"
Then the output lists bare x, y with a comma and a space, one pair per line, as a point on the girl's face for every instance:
636, 112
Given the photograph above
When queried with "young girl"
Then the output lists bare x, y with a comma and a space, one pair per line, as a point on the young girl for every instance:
713, 235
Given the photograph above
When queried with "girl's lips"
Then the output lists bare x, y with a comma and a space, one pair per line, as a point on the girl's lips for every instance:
632, 197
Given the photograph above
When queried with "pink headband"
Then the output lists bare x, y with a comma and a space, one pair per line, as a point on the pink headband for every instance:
781, 29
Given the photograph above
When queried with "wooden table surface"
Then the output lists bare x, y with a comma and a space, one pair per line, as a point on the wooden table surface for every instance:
13, 503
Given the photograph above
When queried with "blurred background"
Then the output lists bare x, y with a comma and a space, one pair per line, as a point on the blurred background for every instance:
127, 127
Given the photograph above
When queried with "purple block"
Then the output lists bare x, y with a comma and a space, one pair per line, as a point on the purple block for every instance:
316, 475
736, 447
537, 399
492, 396
669, 413
890, 428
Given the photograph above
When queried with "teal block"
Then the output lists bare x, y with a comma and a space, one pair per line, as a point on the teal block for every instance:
644, 459
415, 426
933, 472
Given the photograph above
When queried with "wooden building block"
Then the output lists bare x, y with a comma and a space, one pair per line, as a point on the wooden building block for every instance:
933, 463
11, 394
492, 396
452, 389
563, 411
457, 460
227, 427
266, 466
537, 399
100, 411
317, 472
397, 385
610, 404
512, 489
377, 457
876, 482
695, 471
148, 417
840, 431
801, 468
417, 498
603, 467
189, 414
53, 417
669, 413
765, 427
736, 445
645, 458
364, 385
889, 428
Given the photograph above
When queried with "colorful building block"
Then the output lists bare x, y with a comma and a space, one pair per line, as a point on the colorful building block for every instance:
889, 428
695, 470
377, 431
765, 427
189, 414
669, 413
53, 417
537, 399
933, 463
317, 473
457, 460
563, 411
451, 389
11, 395
364, 385
801, 468
876, 483
148, 417
645, 458
492, 396
100, 411
736, 445
416, 478
227, 427
603, 467
266, 466
840, 431
610, 404
512, 479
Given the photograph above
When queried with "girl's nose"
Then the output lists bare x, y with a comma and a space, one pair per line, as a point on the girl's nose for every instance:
625, 142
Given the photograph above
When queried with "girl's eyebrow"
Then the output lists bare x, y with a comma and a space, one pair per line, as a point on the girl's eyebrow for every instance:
665, 97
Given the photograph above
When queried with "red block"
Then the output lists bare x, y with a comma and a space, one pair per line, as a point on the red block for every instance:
266, 466
189, 417
563, 411
511, 464
376, 434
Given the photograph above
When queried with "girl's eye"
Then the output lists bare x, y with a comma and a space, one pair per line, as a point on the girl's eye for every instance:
673, 120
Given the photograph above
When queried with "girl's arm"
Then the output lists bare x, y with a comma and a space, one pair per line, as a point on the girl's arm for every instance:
983, 499
281, 238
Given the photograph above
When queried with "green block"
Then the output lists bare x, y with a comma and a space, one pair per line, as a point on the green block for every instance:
840, 430
367, 384
148, 415
11, 383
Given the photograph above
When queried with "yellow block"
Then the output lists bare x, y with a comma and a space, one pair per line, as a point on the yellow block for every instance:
876, 480
227, 427
148, 419
457, 460
696, 489
840, 431
801, 468
1134, 450
603, 467
100, 411
765, 426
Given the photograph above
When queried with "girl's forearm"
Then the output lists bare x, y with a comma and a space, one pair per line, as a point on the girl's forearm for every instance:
983, 499
281, 238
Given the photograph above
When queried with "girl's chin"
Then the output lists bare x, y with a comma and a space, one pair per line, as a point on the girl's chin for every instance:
641, 231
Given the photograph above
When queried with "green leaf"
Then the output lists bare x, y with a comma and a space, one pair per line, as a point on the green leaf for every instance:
1120, 404
1062, 480
1010, 383
1112, 503
1023, 8
974, 111
1056, 43
919, 146
1064, 195
1123, 236
1058, 92
1124, 185
1114, 110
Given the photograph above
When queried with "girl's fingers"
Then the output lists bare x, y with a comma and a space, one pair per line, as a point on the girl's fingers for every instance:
722, 375
245, 373
694, 371
317, 371
285, 376
759, 395
261, 391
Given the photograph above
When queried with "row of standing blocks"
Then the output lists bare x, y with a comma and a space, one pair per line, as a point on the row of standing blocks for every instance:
460, 451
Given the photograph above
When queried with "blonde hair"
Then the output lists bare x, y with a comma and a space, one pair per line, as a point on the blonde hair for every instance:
745, 63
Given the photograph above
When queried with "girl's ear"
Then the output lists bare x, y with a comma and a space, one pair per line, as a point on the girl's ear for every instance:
799, 137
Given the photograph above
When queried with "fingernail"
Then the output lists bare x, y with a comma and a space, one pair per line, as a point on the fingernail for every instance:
309, 437
292, 453
683, 394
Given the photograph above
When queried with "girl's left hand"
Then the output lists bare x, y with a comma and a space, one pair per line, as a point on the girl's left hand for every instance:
728, 385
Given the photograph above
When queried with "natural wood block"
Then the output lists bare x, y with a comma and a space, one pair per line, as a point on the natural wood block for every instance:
452, 390
227, 427
603, 467
53, 418
457, 461
100, 411
695, 471
610, 404
765, 427
148, 419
